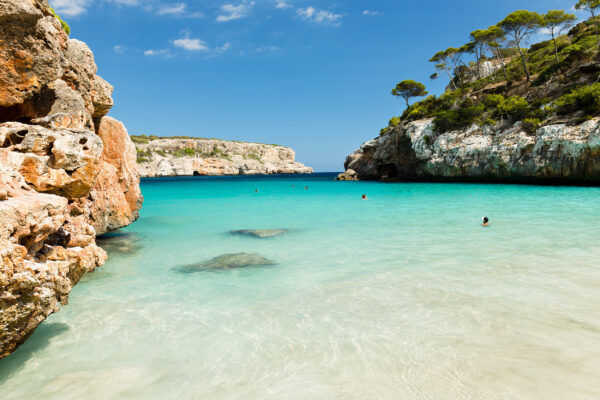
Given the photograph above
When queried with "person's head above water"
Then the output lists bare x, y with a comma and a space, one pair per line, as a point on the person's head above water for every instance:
364, 196
485, 220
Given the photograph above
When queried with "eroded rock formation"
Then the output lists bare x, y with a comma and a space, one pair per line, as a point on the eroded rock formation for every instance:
188, 157
67, 172
559, 153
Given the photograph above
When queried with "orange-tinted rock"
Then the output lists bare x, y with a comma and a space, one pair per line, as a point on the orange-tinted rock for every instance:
116, 198
53, 167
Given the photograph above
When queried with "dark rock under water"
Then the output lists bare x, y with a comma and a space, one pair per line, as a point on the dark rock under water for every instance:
227, 261
260, 233
120, 243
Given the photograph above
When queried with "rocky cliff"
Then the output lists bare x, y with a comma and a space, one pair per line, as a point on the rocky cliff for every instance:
555, 153
188, 157
67, 172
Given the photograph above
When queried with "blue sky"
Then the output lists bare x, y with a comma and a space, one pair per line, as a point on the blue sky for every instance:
314, 75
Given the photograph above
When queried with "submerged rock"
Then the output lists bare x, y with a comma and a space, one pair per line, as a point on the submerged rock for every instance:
119, 243
228, 261
260, 233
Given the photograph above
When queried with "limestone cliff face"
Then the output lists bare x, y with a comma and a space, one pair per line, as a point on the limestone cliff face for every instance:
187, 157
67, 172
558, 153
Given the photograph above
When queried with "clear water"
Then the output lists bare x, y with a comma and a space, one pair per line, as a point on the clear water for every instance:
402, 296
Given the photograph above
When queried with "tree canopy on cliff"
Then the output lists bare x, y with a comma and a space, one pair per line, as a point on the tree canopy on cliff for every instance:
519, 25
593, 7
550, 81
557, 21
409, 89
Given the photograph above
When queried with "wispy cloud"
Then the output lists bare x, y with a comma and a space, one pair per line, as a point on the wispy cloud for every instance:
265, 49
282, 4
319, 16
230, 12
119, 49
191, 44
370, 13
172, 9
70, 8
73, 8
160, 53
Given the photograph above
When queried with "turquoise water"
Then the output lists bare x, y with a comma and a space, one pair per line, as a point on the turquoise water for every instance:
402, 296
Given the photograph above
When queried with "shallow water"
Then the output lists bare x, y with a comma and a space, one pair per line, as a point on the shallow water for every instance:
402, 296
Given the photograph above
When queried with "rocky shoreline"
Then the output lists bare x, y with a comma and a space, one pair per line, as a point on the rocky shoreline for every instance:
212, 157
67, 171
561, 153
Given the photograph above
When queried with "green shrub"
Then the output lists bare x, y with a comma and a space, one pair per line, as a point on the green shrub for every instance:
395, 121
530, 125
491, 101
139, 140
514, 107
64, 25
585, 98
449, 120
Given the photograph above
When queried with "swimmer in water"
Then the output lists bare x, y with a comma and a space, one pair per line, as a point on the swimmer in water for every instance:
364, 197
256, 191
305, 187
485, 221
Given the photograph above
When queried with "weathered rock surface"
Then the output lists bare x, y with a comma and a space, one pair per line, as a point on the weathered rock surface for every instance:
228, 261
188, 157
53, 167
557, 153
349, 175
116, 199
260, 233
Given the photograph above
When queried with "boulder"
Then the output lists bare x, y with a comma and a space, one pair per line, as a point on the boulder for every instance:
349, 175
228, 261
116, 199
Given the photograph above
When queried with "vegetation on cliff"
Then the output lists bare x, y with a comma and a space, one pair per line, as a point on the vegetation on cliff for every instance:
64, 25
504, 83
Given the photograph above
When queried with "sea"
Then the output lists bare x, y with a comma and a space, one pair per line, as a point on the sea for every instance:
404, 295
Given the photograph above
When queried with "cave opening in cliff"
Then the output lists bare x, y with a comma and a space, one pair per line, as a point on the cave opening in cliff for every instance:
196, 173
37, 106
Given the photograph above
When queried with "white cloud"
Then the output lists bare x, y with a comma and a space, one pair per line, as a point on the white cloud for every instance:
371, 13
282, 4
191, 44
172, 9
319, 16
223, 48
229, 11
162, 53
119, 49
197, 14
126, 2
70, 8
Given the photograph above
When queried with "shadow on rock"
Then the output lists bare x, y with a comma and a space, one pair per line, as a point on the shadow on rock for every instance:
120, 243
260, 233
227, 261
37, 342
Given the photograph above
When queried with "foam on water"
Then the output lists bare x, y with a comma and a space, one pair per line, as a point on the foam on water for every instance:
402, 296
